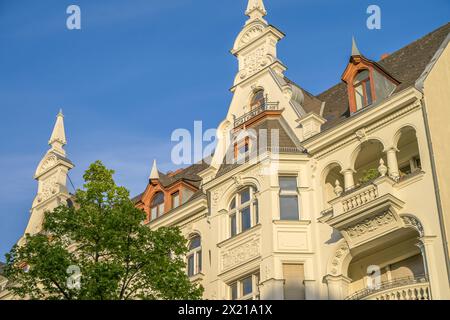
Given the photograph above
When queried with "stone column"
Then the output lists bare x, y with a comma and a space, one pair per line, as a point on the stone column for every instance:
439, 286
348, 179
337, 287
392, 163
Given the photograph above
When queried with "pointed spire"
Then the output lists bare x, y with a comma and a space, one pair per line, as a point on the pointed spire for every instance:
154, 175
58, 138
355, 50
255, 9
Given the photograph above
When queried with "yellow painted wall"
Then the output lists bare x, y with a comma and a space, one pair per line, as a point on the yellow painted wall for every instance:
437, 100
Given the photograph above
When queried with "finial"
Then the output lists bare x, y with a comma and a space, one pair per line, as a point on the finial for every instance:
58, 138
255, 9
355, 50
154, 175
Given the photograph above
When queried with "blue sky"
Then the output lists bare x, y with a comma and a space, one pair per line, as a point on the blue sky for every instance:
140, 69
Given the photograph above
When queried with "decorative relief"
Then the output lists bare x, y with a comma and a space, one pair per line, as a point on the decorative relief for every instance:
241, 254
254, 62
238, 181
251, 34
49, 188
338, 258
412, 222
362, 135
370, 225
48, 163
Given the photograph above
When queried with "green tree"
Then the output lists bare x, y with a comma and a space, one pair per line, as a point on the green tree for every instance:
103, 235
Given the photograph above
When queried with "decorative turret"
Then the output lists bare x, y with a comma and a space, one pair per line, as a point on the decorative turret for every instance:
51, 175
256, 45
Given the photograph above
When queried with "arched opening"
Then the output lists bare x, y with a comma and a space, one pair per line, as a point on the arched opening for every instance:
333, 185
157, 205
394, 269
368, 161
408, 154
257, 99
194, 257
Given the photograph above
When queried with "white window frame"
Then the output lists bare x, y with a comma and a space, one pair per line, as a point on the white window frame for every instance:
196, 253
290, 193
238, 209
254, 295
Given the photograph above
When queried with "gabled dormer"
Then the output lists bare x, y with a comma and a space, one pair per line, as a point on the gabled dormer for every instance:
367, 82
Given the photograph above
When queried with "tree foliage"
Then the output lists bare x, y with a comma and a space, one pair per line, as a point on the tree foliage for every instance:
103, 235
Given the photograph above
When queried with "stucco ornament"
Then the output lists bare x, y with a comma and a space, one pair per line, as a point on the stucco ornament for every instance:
240, 254
252, 33
49, 188
338, 258
412, 222
370, 225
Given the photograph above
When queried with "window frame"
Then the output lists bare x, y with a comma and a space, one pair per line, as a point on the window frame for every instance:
196, 254
239, 285
159, 211
172, 198
236, 212
283, 193
365, 84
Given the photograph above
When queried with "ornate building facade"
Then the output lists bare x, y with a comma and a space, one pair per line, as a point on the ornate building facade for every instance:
341, 195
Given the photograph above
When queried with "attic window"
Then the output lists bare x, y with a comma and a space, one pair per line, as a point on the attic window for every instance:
363, 90
157, 205
241, 148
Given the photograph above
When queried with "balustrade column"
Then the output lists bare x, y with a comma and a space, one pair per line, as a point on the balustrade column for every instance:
392, 163
348, 179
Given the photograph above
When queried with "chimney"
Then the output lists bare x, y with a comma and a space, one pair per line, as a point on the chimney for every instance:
384, 56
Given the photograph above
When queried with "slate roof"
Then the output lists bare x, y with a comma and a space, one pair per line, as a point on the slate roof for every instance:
188, 175
406, 65
285, 142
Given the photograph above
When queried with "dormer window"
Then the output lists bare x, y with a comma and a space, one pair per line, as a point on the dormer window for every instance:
367, 82
157, 206
363, 90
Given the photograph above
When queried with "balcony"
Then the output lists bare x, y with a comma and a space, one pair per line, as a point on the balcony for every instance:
411, 288
265, 108
366, 213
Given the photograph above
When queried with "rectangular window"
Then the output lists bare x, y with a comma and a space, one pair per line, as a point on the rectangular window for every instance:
294, 277
175, 200
289, 207
246, 288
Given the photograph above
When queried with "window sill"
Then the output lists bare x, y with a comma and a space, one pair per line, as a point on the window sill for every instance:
239, 236
197, 277
292, 222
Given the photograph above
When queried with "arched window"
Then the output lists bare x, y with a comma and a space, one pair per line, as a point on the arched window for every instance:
157, 205
243, 213
363, 90
194, 257
257, 99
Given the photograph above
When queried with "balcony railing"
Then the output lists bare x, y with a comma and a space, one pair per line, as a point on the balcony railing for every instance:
409, 288
265, 106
